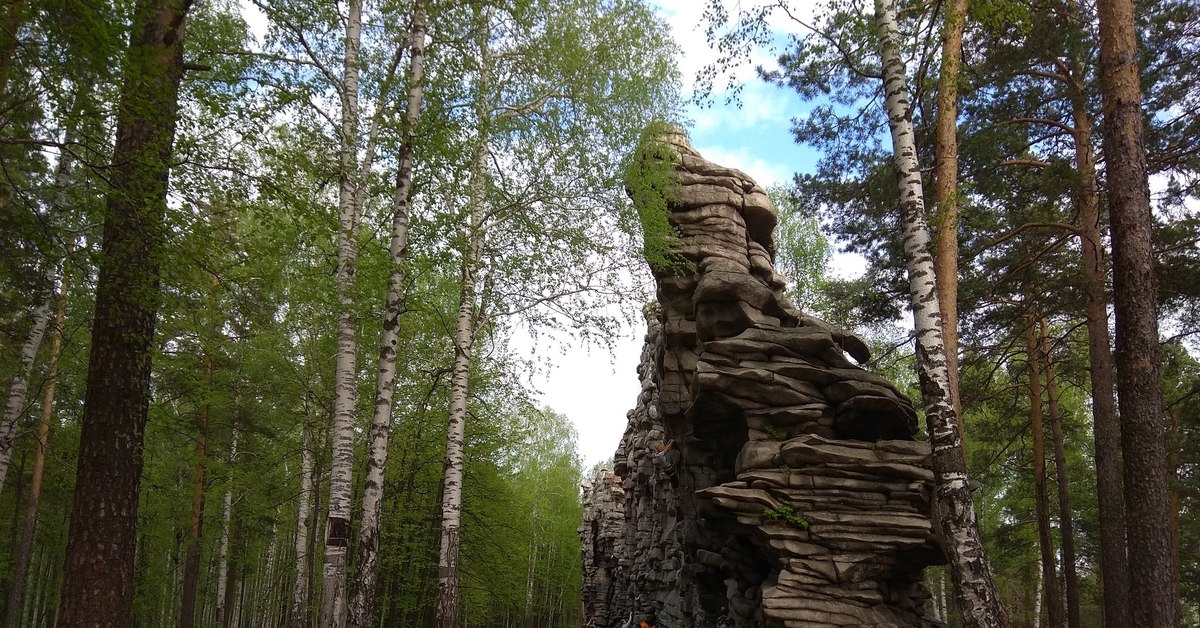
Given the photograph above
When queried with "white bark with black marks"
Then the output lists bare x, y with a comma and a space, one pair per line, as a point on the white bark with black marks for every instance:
19, 389
360, 608
226, 520
464, 342
953, 511
299, 608
448, 610
337, 528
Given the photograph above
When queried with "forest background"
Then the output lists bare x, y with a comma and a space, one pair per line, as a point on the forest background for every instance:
307, 179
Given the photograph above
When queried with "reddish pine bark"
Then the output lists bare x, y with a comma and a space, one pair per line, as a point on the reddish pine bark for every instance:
1139, 388
1106, 425
945, 193
1045, 535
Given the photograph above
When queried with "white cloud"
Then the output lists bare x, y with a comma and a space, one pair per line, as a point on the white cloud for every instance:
687, 23
847, 265
255, 19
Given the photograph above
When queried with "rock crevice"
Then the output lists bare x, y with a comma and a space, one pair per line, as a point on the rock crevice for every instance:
764, 479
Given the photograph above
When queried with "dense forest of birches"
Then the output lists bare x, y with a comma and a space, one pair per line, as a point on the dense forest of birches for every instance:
258, 295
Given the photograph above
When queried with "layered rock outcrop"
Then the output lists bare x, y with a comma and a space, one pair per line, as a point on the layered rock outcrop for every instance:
764, 478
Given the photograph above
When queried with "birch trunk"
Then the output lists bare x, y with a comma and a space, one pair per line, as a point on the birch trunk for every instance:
1066, 526
362, 602
945, 191
299, 608
265, 599
25, 549
15, 404
1037, 602
953, 511
226, 520
942, 598
1042, 499
448, 612
464, 340
1139, 387
337, 529
1106, 425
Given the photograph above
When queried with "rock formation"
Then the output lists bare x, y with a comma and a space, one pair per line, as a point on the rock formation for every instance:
764, 479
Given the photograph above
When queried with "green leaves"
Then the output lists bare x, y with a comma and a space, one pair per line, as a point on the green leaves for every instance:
649, 180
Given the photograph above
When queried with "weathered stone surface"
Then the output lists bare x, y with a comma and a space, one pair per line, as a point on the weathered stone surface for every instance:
764, 480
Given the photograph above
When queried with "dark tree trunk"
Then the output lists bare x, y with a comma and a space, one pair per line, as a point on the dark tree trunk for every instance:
1106, 426
98, 570
1045, 535
191, 566
1139, 388
1066, 527
13, 14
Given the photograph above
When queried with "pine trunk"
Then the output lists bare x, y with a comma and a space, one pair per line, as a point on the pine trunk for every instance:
945, 192
14, 406
299, 607
337, 528
953, 511
1139, 388
191, 566
15, 13
1066, 527
98, 573
1106, 425
1174, 450
1042, 498
362, 603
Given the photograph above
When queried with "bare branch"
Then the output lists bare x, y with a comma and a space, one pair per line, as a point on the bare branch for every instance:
1032, 163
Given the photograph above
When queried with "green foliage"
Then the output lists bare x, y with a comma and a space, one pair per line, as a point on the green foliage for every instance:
802, 252
785, 514
775, 432
650, 178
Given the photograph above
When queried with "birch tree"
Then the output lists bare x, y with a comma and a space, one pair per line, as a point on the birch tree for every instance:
953, 510
298, 609
222, 610
366, 568
555, 102
337, 529
25, 549
448, 611
14, 405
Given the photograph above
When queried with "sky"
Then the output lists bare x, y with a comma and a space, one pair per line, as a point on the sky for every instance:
594, 389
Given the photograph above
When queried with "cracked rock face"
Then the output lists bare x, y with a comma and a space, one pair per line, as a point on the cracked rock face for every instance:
764, 479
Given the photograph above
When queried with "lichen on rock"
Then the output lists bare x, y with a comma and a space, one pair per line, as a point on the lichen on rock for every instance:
764, 478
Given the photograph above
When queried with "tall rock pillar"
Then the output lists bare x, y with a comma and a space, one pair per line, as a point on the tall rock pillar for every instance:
764, 479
